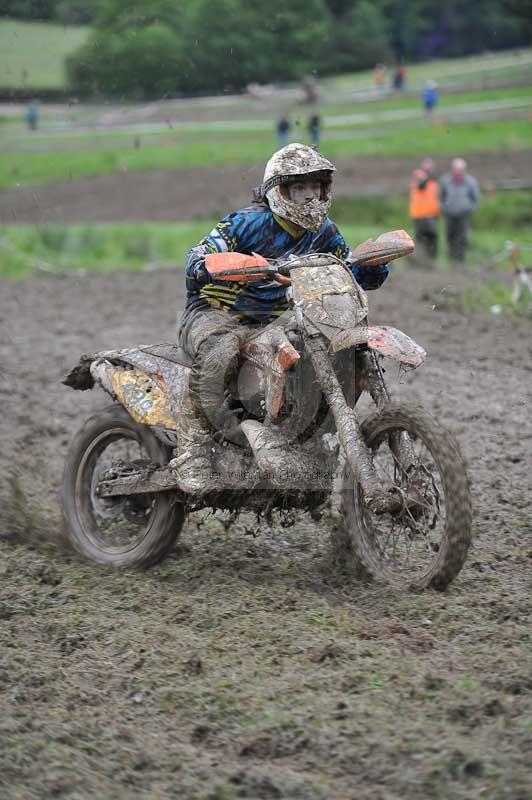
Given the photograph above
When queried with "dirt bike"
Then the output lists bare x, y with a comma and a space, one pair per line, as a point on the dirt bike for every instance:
397, 480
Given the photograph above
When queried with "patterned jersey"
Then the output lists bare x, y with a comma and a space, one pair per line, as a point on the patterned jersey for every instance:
257, 230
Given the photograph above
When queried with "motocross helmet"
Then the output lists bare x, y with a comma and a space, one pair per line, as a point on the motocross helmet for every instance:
293, 164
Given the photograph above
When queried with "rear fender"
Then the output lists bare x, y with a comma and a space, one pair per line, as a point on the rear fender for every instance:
143, 396
393, 343
150, 381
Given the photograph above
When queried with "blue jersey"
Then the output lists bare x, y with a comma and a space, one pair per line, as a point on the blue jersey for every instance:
257, 230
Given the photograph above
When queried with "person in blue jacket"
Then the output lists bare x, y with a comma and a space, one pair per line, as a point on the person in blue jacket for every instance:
429, 96
288, 217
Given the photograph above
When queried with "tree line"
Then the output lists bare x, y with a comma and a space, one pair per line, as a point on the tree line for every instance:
156, 48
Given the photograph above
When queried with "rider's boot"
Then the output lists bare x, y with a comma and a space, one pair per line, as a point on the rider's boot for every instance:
288, 465
203, 466
193, 463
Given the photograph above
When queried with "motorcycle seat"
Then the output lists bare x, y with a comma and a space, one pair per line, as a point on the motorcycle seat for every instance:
168, 352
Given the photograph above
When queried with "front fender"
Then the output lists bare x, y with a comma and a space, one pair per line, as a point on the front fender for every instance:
393, 343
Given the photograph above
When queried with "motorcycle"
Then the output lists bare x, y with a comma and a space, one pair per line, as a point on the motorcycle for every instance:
397, 481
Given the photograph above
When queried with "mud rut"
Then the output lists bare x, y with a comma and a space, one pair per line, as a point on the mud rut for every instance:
207, 676
198, 192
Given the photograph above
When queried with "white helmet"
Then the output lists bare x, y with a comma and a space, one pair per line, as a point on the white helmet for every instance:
291, 163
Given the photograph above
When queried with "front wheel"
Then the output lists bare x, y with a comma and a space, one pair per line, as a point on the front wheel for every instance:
127, 531
425, 543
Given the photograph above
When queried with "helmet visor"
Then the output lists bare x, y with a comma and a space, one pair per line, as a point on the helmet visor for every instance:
301, 189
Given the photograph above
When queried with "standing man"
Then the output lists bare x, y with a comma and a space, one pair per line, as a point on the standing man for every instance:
459, 197
379, 77
424, 210
398, 81
429, 97
283, 129
32, 115
314, 129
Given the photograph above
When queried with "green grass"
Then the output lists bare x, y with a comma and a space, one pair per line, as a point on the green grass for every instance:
395, 102
28, 248
56, 165
508, 212
255, 119
357, 117
33, 53
495, 297
440, 137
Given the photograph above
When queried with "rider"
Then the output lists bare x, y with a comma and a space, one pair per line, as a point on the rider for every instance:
289, 217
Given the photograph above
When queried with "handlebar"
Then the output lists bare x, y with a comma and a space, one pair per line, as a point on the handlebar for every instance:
282, 267
230, 266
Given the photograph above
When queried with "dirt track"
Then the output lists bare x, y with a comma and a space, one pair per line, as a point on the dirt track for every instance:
246, 666
192, 193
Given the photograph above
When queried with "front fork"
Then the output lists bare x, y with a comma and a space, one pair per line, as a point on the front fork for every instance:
379, 498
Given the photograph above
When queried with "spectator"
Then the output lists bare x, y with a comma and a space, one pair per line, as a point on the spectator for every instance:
459, 197
283, 129
399, 76
378, 76
314, 123
430, 97
424, 210
32, 115
309, 85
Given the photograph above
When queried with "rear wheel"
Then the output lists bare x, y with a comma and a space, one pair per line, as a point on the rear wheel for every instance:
127, 531
426, 542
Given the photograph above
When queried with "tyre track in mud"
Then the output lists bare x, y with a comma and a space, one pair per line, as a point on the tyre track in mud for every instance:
139, 667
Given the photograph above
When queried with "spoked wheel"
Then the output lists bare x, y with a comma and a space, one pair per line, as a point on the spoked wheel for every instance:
425, 542
127, 531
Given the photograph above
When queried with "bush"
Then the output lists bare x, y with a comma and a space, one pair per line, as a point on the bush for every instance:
28, 9
359, 40
139, 63
75, 12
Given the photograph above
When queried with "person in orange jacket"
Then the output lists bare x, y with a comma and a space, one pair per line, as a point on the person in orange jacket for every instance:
424, 209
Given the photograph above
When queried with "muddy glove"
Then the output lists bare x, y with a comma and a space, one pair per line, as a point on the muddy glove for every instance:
369, 277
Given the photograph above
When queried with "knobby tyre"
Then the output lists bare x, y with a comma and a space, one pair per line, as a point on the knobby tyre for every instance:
426, 544
132, 531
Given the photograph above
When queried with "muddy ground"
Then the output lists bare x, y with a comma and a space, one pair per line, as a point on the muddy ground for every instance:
246, 665
165, 195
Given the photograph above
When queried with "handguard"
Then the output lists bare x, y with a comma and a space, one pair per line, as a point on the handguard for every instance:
237, 267
386, 247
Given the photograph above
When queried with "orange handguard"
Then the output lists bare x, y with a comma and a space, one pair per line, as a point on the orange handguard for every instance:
386, 247
237, 266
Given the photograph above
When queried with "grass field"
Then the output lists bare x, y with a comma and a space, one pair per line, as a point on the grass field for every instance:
447, 139
394, 102
455, 71
28, 248
393, 111
33, 53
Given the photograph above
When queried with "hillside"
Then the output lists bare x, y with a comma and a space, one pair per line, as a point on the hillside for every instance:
33, 53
